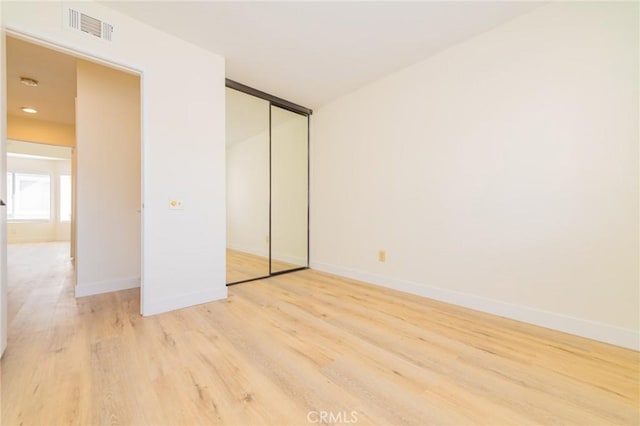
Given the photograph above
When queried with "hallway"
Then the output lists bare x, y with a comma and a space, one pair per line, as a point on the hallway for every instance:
39, 278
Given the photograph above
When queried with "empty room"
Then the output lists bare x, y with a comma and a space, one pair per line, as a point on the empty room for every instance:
298, 213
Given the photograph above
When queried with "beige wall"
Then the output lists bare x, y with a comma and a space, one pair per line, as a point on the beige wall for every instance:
29, 129
500, 174
108, 179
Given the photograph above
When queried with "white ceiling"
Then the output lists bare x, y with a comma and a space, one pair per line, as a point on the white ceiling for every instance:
54, 98
312, 52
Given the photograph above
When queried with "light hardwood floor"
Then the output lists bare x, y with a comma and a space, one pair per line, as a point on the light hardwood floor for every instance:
281, 351
245, 266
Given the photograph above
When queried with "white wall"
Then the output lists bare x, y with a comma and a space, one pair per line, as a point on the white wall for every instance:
183, 146
500, 174
108, 179
40, 231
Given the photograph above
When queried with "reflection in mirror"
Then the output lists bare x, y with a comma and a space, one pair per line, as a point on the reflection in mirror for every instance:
247, 146
289, 190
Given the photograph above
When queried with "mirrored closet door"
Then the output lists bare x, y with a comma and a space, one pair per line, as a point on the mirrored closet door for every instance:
267, 145
289, 189
247, 140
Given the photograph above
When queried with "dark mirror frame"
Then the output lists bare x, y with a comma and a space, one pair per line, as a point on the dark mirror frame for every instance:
292, 107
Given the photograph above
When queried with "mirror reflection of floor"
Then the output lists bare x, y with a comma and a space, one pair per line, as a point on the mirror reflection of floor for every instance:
245, 266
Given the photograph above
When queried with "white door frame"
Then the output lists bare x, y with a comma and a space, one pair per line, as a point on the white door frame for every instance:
3, 191
8, 31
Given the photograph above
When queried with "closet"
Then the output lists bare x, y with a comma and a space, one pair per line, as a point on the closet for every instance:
267, 150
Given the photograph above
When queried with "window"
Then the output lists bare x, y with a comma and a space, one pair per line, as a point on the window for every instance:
29, 196
65, 198
9, 195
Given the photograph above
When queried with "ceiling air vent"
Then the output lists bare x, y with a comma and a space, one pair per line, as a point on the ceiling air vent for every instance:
77, 20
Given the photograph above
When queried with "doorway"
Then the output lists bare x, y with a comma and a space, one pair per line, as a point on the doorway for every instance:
94, 111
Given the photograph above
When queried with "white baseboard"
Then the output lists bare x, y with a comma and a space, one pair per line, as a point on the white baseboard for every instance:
249, 250
291, 260
183, 301
91, 289
281, 258
624, 337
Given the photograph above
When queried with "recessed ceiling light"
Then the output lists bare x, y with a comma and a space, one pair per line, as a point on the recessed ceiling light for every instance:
29, 110
29, 81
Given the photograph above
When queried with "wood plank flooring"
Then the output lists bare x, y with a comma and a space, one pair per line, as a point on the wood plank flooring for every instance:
296, 349
245, 266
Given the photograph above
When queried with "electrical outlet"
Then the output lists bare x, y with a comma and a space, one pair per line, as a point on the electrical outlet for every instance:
382, 255
175, 204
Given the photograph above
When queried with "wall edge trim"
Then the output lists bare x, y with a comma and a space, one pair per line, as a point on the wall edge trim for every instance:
101, 287
183, 301
602, 332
